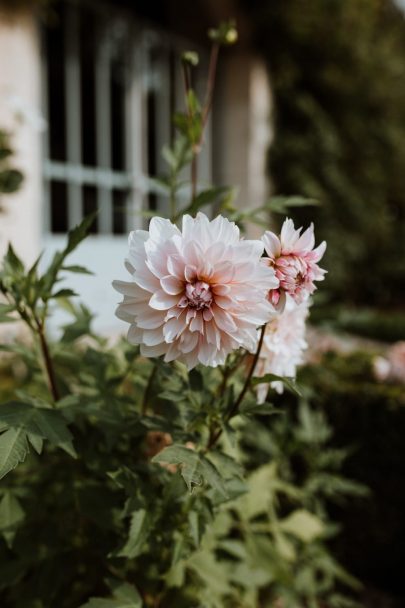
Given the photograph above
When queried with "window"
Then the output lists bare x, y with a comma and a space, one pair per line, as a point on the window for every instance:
110, 88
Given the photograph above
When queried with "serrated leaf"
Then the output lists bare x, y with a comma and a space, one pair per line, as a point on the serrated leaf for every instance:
124, 596
13, 449
38, 422
211, 474
194, 466
138, 533
36, 442
227, 466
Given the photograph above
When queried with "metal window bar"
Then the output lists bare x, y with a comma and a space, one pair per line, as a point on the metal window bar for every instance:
73, 111
136, 133
103, 128
45, 138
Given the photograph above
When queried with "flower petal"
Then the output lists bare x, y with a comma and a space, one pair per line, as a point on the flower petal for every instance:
161, 300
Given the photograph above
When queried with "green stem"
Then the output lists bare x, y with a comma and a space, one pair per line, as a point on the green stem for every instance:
214, 436
212, 71
50, 372
172, 201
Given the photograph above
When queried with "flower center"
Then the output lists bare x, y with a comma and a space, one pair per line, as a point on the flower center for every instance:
198, 295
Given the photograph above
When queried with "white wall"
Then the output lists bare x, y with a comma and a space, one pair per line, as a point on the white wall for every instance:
20, 85
242, 131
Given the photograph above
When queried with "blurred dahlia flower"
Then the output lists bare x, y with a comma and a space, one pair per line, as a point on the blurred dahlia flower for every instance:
391, 367
196, 294
294, 259
283, 346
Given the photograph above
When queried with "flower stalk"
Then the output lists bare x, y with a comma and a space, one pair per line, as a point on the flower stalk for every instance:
215, 435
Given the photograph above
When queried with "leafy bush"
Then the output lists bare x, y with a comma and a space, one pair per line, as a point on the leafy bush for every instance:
93, 514
370, 417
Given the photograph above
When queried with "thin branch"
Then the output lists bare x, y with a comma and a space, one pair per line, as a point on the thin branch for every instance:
212, 71
235, 407
50, 372
194, 175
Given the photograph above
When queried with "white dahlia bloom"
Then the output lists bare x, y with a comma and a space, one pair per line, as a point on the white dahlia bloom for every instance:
283, 346
196, 294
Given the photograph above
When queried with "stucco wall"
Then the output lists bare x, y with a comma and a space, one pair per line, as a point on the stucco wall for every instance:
242, 131
20, 90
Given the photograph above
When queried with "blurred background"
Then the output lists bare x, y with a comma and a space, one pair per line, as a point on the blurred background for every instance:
310, 102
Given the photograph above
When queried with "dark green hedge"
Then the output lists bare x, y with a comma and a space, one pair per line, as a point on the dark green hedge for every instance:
337, 69
369, 417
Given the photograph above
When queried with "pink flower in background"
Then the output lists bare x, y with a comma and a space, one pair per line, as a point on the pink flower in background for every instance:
391, 367
196, 294
294, 259
283, 346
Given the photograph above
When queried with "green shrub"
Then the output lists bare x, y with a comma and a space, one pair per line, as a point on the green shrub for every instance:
337, 69
369, 417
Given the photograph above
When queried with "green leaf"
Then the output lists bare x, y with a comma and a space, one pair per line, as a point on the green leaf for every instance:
187, 459
124, 596
75, 237
192, 102
261, 409
303, 525
169, 157
5, 309
13, 261
64, 293
79, 233
194, 523
138, 533
289, 383
281, 204
77, 269
194, 467
38, 423
13, 449
11, 515
211, 474
207, 197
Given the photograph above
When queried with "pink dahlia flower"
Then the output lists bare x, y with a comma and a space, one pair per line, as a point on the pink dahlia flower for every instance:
196, 294
294, 259
283, 346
